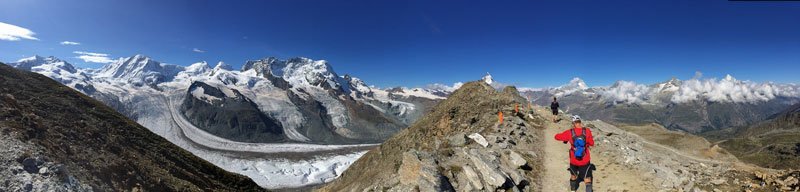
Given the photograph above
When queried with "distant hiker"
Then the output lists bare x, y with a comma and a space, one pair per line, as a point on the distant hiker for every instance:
554, 108
580, 166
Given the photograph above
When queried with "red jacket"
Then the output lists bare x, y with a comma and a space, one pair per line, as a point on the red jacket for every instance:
567, 136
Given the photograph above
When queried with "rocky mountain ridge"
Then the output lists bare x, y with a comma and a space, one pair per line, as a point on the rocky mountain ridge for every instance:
459, 146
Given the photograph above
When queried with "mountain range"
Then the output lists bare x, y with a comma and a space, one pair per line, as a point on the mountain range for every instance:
293, 100
695, 105
57, 139
299, 108
283, 123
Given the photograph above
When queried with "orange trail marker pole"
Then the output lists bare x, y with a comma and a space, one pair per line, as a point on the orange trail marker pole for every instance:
500, 117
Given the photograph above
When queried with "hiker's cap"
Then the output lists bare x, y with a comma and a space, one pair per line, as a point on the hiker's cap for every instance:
576, 118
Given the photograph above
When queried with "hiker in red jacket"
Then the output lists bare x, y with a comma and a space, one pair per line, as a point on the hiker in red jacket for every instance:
580, 166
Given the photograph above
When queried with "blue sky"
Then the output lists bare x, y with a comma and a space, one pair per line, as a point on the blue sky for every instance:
414, 43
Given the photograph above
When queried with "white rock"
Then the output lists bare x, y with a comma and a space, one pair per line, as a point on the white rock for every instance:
516, 159
719, 181
479, 139
472, 177
489, 174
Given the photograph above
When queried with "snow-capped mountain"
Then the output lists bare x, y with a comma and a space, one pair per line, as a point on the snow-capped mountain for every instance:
293, 91
694, 105
139, 70
226, 116
219, 113
57, 69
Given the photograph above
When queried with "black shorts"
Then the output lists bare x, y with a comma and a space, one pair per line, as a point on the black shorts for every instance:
555, 112
581, 171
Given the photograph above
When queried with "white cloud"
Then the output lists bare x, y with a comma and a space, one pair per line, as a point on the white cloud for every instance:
443, 87
530, 89
11, 32
198, 50
70, 43
730, 89
627, 91
93, 57
727, 89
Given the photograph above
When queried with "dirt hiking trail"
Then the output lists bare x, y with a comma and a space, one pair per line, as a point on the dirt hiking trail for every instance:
608, 176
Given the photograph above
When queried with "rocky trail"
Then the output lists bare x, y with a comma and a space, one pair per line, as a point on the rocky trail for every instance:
464, 144
626, 161
608, 176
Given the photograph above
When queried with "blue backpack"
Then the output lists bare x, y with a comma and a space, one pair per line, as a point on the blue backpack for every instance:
579, 144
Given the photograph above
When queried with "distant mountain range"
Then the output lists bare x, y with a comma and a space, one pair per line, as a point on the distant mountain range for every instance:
283, 123
268, 100
695, 105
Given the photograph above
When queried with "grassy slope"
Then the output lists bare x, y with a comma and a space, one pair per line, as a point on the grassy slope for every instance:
774, 143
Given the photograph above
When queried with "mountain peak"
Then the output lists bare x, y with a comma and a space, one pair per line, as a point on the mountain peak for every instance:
259, 65
222, 65
139, 55
576, 83
140, 69
32, 58
35, 61
671, 85
488, 78
296, 71
198, 67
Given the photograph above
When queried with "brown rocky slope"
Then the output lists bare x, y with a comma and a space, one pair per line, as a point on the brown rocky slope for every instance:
458, 146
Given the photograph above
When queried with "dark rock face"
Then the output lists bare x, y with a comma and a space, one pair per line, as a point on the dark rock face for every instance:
235, 118
367, 124
318, 125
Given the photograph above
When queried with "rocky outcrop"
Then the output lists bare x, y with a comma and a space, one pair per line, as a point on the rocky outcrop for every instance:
781, 181
438, 152
227, 113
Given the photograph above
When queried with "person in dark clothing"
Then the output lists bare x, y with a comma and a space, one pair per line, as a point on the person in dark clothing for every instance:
580, 166
554, 108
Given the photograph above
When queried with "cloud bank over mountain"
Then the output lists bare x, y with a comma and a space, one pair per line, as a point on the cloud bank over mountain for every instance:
730, 89
727, 89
